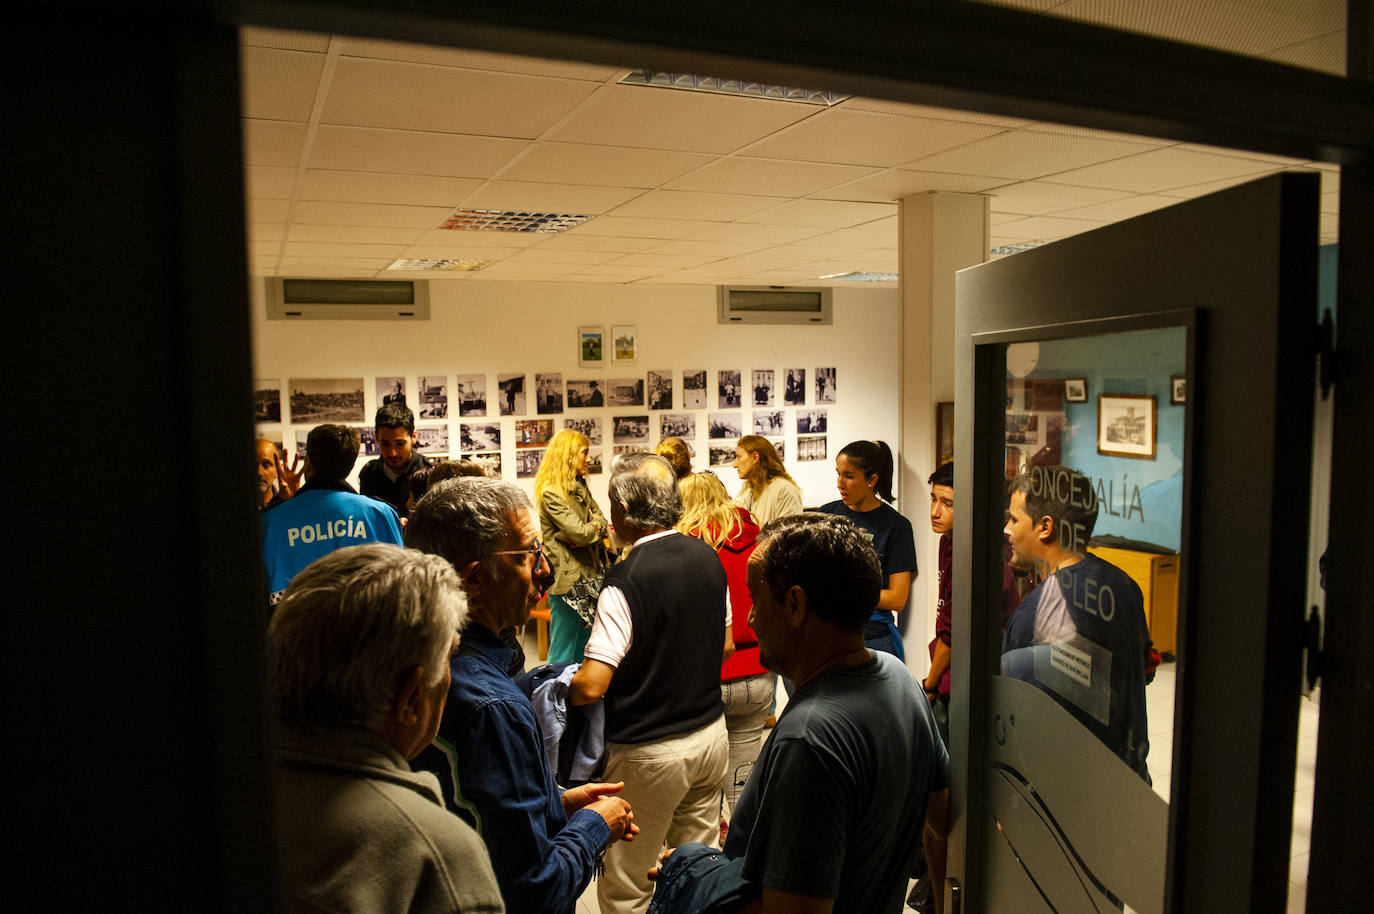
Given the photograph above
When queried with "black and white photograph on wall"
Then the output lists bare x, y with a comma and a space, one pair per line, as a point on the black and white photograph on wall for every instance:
763, 386
318, 400
590, 426
512, 394
694, 388
624, 344
479, 436
810, 422
1178, 389
1126, 425
593, 460
825, 385
768, 422
660, 390
533, 432
625, 392
368, 441
1076, 390
1023, 428
267, 400
432, 440
726, 425
489, 462
300, 442
794, 393
780, 446
273, 435
472, 394
630, 429
727, 385
548, 394
433, 397
722, 453
811, 447
627, 449
677, 425
527, 463
391, 390
585, 393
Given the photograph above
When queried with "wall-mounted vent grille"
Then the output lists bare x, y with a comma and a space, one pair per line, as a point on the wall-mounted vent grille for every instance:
693, 83
774, 305
347, 299
463, 266
493, 220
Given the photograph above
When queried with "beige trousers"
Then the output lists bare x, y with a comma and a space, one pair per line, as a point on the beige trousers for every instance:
673, 786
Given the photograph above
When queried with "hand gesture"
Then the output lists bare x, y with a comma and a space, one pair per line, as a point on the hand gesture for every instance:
290, 479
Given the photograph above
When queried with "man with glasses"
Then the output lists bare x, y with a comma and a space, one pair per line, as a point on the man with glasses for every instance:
489, 753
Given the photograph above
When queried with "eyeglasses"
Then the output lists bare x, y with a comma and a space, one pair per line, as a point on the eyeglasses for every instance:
536, 549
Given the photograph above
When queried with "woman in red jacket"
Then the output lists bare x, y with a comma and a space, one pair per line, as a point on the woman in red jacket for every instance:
709, 514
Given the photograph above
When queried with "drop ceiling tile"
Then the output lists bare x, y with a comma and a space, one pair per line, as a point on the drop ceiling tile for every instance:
772, 177
524, 196
647, 117
756, 263
1035, 198
610, 166
1052, 127
405, 96
263, 248
460, 250
621, 226
824, 213
622, 273
254, 37
1325, 53
526, 267
474, 60
692, 278
301, 264
1027, 154
866, 138
996, 218
946, 114
1047, 228
616, 245
677, 204
511, 272
408, 152
370, 187
318, 249
1237, 27
895, 183
1241, 154
781, 276
704, 248
1331, 203
1329, 224
561, 255
1161, 170
328, 213
443, 237
266, 231
273, 143
351, 234
1210, 187
751, 233
269, 181
807, 251
279, 85
878, 234
1117, 210
260, 210
660, 261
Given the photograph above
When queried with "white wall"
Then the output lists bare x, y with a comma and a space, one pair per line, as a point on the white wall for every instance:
506, 327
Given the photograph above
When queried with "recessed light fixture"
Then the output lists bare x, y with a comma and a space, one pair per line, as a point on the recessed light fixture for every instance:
694, 83
1017, 248
469, 266
860, 277
495, 220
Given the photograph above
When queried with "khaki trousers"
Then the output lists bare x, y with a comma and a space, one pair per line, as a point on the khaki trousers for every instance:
673, 786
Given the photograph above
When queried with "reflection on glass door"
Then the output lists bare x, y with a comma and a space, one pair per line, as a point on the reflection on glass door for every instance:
1081, 710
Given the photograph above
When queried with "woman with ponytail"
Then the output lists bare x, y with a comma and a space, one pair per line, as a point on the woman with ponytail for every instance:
863, 472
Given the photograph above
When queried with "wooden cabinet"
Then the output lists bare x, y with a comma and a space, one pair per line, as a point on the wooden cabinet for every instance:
1157, 576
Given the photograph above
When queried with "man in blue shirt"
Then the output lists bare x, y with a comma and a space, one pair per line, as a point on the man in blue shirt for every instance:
326, 514
489, 754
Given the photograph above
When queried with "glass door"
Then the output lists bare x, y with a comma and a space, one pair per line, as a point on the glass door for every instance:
1125, 694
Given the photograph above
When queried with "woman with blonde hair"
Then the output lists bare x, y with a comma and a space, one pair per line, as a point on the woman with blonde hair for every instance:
573, 528
768, 492
678, 455
745, 686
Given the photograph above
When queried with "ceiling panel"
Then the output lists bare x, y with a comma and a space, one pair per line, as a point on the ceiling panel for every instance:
269, 181
1161, 169
266, 231
461, 249
254, 37
273, 143
895, 183
708, 249
475, 60
756, 232
1035, 198
442, 237
279, 85
315, 249
824, 213
772, 177
371, 187
260, 210
329, 213
623, 226
611, 166
948, 114
1027, 154
1047, 228
525, 196
622, 244
351, 234
560, 255
647, 117
408, 152
674, 204
847, 137
1117, 210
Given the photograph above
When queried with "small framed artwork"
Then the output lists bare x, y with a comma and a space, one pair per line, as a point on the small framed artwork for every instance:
1126, 425
1178, 389
944, 433
1076, 390
590, 347
624, 344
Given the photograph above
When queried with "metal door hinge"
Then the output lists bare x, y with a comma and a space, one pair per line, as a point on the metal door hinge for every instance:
1326, 349
1312, 647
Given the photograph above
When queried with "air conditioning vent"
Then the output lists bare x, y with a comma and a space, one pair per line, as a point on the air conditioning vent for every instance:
773, 305
347, 299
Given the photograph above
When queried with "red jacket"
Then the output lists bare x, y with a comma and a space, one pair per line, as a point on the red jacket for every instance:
734, 556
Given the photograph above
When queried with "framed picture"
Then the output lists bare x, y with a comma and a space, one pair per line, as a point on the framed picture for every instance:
1076, 390
590, 347
1126, 425
944, 433
624, 345
1178, 389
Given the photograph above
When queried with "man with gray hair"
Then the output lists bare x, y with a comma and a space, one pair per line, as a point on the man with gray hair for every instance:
489, 752
662, 631
358, 659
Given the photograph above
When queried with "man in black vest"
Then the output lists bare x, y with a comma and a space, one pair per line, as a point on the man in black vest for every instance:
661, 633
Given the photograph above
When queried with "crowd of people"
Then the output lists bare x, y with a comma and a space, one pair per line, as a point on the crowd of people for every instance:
421, 766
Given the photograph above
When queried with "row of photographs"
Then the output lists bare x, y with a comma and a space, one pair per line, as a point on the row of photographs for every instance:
317, 400
720, 454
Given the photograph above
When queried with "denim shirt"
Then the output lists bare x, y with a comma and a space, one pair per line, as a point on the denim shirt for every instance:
489, 758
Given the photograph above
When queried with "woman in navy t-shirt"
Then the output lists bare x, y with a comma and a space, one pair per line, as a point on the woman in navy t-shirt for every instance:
863, 473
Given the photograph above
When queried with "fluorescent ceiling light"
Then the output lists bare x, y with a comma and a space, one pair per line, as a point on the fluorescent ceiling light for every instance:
495, 220
858, 276
694, 83
1017, 248
455, 265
